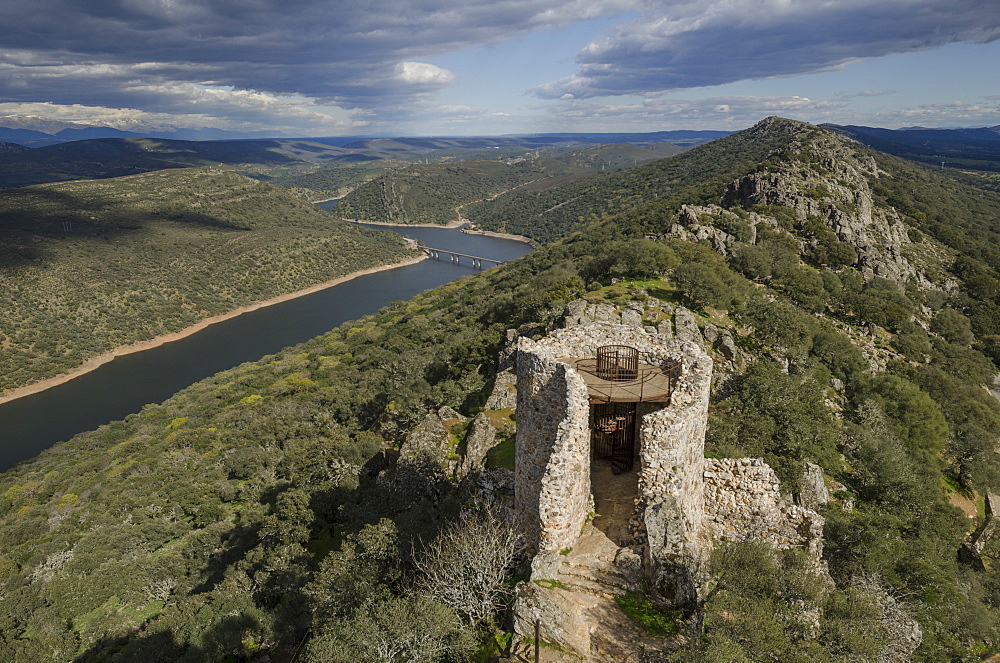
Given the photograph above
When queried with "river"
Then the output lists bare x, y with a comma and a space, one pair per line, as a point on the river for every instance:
114, 390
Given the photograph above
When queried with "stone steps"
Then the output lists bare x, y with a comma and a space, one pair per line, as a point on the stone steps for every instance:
590, 586
605, 576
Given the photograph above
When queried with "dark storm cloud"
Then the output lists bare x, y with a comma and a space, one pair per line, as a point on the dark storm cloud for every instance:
704, 43
349, 52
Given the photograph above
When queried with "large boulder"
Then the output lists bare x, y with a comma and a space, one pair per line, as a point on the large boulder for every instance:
504, 394
686, 326
813, 493
427, 455
479, 440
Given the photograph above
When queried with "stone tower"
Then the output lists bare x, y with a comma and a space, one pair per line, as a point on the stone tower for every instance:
558, 392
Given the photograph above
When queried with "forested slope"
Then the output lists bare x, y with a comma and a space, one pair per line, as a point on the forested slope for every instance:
260, 513
91, 266
430, 193
551, 210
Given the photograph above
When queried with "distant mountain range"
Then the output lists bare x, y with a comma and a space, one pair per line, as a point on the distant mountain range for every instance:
39, 132
78, 152
33, 131
971, 149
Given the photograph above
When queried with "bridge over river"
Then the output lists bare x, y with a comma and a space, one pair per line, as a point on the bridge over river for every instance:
456, 257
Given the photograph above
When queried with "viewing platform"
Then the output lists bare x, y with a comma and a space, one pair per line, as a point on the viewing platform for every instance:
650, 384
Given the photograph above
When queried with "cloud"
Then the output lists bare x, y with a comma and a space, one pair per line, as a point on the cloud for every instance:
424, 74
738, 112
955, 113
715, 112
355, 54
863, 93
316, 64
707, 42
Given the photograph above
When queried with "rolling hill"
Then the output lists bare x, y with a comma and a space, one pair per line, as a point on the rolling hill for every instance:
264, 511
91, 266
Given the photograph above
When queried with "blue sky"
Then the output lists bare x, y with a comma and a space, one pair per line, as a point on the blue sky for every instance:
453, 67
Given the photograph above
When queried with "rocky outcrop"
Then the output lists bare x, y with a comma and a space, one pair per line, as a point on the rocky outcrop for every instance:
813, 494
479, 439
686, 326
504, 394
576, 609
826, 178
428, 446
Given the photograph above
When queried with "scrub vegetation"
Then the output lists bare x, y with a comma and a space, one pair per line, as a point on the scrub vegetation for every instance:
255, 513
91, 266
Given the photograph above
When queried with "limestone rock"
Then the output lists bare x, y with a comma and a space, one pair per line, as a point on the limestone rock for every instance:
687, 326
631, 316
495, 481
604, 312
478, 441
576, 313
727, 347
576, 308
842, 199
427, 448
504, 394
813, 493
629, 564
562, 616
711, 332
664, 328
446, 413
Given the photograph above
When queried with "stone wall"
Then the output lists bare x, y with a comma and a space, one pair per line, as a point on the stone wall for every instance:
743, 501
684, 501
552, 469
671, 482
552, 476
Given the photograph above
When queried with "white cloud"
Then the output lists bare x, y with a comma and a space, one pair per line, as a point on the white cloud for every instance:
424, 74
863, 93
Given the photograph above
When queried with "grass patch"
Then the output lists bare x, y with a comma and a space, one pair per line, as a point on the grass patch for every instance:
502, 455
643, 611
546, 583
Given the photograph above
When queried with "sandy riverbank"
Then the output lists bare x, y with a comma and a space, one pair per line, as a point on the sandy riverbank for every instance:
139, 346
489, 233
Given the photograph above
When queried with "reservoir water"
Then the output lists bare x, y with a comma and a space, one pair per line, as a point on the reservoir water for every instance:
33, 423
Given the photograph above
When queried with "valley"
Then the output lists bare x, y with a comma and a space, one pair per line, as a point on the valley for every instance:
847, 302
165, 251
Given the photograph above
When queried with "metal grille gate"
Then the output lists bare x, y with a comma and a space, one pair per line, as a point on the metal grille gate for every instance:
613, 434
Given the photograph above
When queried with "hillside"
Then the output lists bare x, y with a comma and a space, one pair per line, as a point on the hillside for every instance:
431, 193
966, 149
265, 511
91, 266
113, 153
115, 157
324, 181
554, 208
615, 156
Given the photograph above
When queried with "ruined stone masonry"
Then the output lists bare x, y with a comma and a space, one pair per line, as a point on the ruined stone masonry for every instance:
683, 501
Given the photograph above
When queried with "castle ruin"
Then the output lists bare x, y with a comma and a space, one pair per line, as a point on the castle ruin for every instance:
604, 398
